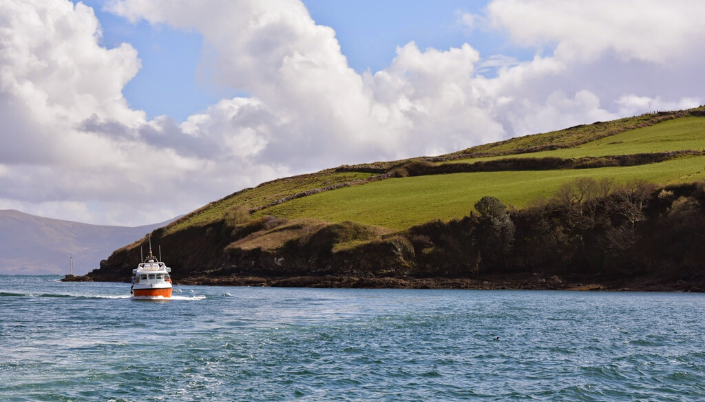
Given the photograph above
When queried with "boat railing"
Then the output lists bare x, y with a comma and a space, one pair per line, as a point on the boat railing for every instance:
152, 268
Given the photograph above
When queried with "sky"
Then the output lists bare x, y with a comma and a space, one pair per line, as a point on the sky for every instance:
130, 112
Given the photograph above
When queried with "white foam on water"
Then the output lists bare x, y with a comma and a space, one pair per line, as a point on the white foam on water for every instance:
4, 293
161, 298
200, 297
63, 295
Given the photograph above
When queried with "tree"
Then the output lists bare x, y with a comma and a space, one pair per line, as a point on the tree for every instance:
580, 200
630, 200
495, 234
583, 191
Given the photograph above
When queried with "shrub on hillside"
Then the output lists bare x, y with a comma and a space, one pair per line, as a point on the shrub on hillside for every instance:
237, 215
445, 248
583, 190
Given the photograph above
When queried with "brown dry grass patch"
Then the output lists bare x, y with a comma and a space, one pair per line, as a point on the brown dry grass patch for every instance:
276, 237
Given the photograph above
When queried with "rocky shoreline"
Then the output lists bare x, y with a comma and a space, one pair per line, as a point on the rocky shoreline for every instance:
490, 282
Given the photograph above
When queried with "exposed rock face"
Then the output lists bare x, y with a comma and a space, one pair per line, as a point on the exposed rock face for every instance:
270, 246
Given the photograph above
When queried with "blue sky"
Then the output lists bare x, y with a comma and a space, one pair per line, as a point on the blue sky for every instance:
369, 31
171, 83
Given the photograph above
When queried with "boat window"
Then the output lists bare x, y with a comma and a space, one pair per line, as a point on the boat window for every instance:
143, 276
159, 276
151, 276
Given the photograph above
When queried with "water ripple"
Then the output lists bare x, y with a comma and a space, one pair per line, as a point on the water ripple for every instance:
90, 341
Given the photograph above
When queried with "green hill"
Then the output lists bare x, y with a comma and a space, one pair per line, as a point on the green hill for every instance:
399, 203
264, 194
576, 136
672, 135
317, 222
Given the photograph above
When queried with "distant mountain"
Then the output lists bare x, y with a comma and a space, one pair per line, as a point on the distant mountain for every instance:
32, 245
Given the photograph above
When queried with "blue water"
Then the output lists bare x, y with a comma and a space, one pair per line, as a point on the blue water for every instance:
90, 341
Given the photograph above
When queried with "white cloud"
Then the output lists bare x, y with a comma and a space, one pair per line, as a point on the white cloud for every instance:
70, 140
646, 30
469, 21
632, 104
558, 110
71, 144
326, 113
242, 125
610, 59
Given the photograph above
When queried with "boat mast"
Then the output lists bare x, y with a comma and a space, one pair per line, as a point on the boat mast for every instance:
150, 246
160, 252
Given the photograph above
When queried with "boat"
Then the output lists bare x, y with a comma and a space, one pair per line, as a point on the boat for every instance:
151, 278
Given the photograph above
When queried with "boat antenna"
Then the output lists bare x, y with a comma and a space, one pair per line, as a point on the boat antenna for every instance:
149, 236
160, 252
141, 254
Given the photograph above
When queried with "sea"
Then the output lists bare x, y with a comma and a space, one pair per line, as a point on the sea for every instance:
93, 342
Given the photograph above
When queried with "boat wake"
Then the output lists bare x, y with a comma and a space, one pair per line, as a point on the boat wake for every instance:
109, 297
63, 295
158, 298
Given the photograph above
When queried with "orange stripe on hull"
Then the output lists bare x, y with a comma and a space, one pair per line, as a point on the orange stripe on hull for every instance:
164, 292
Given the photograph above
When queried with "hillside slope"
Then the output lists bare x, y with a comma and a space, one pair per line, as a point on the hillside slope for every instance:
33, 245
375, 217
448, 198
669, 135
406, 202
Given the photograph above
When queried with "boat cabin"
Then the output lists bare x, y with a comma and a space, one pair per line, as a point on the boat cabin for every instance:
151, 272
152, 278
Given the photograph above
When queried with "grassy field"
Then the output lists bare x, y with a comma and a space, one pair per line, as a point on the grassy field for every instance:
581, 133
402, 203
672, 135
264, 194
